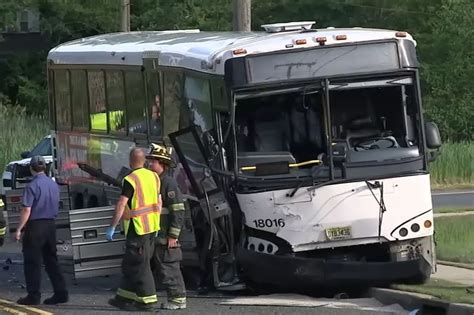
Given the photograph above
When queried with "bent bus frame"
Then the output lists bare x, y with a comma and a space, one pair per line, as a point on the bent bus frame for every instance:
303, 152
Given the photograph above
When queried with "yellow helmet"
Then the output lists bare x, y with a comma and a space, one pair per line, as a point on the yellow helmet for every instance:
161, 153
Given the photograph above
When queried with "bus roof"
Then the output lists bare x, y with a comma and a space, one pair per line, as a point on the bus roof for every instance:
201, 51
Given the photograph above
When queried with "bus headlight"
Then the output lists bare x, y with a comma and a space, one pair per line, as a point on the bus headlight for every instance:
403, 232
415, 227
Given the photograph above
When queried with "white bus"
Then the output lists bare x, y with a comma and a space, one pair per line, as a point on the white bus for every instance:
303, 152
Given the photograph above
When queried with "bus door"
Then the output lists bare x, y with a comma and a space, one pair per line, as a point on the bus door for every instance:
219, 243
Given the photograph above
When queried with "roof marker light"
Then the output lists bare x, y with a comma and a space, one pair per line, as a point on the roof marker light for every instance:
401, 34
289, 45
300, 41
321, 40
239, 51
341, 37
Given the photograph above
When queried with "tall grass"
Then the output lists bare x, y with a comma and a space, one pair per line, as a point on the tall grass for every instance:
455, 164
455, 238
19, 132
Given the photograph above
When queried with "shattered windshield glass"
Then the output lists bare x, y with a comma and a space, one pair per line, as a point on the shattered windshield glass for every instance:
284, 134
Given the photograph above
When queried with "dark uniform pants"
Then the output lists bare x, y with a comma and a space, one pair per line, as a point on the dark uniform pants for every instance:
39, 245
168, 271
137, 279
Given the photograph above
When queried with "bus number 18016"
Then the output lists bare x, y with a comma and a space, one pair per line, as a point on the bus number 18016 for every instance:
261, 223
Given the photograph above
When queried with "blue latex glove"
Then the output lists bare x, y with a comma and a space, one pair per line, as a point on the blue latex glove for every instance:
109, 233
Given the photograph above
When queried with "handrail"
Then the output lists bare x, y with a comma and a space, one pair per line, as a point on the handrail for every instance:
292, 165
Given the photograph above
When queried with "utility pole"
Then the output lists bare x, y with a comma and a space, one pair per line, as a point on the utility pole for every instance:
125, 16
241, 15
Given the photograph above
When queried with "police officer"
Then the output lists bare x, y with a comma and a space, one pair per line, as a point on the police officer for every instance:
141, 222
40, 209
167, 251
3, 225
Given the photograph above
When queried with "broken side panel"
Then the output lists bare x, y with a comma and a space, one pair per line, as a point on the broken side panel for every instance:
219, 244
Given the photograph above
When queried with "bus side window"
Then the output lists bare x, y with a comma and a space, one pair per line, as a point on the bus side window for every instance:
135, 102
197, 100
172, 92
154, 103
98, 114
62, 99
115, 100
80, 102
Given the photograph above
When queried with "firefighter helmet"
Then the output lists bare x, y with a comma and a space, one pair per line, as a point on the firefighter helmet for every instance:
161, 153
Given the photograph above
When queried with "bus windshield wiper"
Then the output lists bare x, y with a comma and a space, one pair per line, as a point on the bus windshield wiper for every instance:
315, 170
382, 208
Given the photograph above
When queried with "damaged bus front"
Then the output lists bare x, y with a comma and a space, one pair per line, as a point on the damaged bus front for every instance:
328, 153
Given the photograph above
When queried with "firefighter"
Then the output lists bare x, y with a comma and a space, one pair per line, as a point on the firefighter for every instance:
141, 221
3, 226
167, 249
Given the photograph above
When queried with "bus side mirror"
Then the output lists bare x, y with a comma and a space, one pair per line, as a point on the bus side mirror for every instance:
25, 154
433, 138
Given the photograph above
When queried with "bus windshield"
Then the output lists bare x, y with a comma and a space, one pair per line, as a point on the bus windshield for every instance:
370, 121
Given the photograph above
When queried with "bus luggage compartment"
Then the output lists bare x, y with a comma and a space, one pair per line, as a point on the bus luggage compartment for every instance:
91, 253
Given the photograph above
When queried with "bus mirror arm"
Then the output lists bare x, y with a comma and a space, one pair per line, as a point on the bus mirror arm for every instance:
97, 173
433, 155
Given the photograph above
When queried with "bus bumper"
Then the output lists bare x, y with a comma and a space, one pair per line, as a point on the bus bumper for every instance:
301, 272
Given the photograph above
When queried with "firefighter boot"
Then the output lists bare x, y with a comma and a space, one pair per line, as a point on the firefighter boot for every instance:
174, 304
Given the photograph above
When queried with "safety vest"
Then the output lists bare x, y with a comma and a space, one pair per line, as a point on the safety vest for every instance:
146, 202
99, 120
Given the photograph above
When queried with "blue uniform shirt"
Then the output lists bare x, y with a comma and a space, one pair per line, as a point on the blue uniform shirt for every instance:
42, 195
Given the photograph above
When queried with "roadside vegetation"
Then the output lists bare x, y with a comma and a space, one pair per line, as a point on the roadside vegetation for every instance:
444, 290
454, 238
19, 132
454, 167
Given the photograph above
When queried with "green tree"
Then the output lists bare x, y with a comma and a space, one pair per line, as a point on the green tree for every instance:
209, 15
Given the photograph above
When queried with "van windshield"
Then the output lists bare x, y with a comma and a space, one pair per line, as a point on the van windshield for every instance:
42, 148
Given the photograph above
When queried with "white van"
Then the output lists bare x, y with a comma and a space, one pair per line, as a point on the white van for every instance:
43, 148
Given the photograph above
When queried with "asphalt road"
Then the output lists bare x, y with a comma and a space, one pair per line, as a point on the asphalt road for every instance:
91, 296
455, 198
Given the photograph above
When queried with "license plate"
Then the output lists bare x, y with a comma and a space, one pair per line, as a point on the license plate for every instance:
338, 233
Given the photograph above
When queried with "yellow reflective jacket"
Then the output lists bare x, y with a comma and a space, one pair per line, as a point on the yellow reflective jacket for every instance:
146, 202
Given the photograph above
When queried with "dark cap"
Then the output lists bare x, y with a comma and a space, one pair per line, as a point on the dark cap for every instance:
37, 161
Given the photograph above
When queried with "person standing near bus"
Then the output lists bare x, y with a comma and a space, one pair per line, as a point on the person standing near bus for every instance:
141, 221
40, 209
155, 121
168, 253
